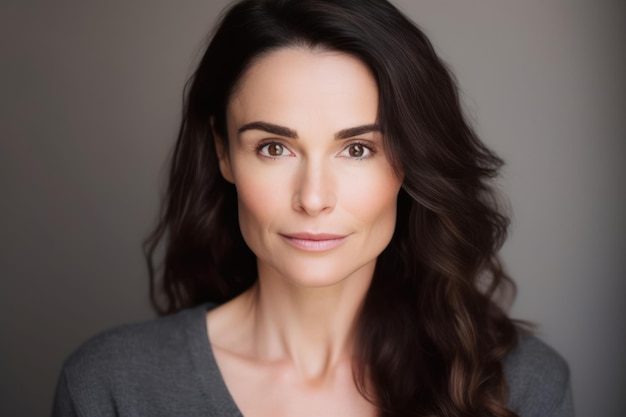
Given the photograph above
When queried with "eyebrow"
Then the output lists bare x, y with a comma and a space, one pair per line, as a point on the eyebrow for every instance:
292, 134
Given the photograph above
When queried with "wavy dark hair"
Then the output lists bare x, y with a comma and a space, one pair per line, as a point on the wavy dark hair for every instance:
431, 338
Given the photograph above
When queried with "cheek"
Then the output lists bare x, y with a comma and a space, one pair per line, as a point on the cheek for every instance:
372, 199
260, 199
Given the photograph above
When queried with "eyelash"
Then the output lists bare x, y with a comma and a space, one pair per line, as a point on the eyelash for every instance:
367, 145
264, 143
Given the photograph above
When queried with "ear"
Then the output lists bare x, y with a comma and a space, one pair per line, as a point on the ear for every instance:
222, 156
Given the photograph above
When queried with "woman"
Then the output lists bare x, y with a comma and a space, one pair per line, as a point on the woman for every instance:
330, 239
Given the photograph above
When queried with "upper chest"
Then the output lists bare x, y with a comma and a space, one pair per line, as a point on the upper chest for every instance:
261, 390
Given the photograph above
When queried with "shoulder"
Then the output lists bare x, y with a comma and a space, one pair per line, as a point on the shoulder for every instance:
131, 345
135, 366
538, 379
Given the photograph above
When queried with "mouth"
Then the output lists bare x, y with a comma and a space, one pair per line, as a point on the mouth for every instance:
314, 241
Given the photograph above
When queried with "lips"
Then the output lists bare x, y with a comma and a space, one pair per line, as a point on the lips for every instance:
314, 241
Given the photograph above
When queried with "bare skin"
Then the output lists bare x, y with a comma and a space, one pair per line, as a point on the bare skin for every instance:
274, 373
317, 205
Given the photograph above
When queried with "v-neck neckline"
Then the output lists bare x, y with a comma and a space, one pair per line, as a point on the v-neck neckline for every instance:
210, 378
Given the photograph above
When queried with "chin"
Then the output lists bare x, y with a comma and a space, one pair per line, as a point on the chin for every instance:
317, 281
320, 274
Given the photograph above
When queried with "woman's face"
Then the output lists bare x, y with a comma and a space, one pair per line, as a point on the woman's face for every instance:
316, 192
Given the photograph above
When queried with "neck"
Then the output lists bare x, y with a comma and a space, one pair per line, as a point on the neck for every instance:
312, 328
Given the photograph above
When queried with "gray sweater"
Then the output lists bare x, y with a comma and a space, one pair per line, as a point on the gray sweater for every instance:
165, 367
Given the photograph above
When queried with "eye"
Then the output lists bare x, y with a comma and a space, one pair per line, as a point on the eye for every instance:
357, 151
272, 150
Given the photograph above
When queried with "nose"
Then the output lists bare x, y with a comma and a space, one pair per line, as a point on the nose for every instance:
315, 189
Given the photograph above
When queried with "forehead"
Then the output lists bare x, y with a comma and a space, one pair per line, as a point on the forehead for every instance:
303, 86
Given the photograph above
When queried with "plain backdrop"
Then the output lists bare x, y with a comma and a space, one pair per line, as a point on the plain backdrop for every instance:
90, 101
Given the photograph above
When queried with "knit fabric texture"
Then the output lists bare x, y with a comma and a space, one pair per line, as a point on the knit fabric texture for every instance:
165, 367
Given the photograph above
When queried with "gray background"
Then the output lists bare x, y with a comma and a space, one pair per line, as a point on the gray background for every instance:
90, 99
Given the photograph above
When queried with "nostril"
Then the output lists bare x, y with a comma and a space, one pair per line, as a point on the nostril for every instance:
314, 193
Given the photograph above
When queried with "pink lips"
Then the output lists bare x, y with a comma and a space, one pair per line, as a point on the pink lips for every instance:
315, 241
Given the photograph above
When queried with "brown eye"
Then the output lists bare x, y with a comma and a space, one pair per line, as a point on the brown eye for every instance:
275, 149
272, 150
356, 150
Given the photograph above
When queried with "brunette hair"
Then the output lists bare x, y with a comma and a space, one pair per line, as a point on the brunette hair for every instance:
431, 338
